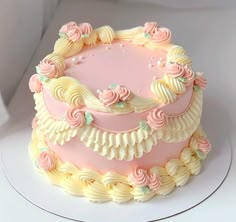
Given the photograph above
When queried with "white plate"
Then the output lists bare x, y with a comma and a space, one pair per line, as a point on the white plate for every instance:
20, 173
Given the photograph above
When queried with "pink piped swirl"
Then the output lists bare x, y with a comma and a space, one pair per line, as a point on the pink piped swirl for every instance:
156, 119
149, 27
85, 28
75, 117
188, 75
35, 84
175, 70
162, 36
49, 69
109, 97
154, 182
200, 81
34, 122
46, 161
204, 145
124, 93
72, 31
139, 177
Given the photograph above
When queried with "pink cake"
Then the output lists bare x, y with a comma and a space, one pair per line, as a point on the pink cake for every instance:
117, 113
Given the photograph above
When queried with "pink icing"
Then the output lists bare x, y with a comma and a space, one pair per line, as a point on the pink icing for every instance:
46, 161
67, 27
75, 117
175, 70
124, 93
162, 36
149, 27
188, 75
204, 145
157, 119
200, 81
77, 153
154, 182
72, 31
139, 177
108, 97
35, 84
34, 122
49, 69
85, 28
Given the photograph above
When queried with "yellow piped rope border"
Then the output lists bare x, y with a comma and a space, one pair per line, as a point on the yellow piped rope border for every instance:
115, 187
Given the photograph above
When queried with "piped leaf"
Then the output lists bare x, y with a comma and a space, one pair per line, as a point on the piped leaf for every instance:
88, 118
182, 79
62, 35
200, 154
143, 125
145, 189
43, 149
196, 88
113, 86
147, 35
43, 78
121, 105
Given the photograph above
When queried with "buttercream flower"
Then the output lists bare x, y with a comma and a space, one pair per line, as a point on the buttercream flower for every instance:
46, 161
175, 70
34, 123
162, 36
154, 182
49, 69
200, 81
35, 84
108, 97
156, 119
72, 31
204, 145
85, 28
124, 93
188, 75
139, 177
75, 117
149, 27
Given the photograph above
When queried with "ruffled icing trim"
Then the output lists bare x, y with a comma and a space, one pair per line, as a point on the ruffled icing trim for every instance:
125, 145
112, 186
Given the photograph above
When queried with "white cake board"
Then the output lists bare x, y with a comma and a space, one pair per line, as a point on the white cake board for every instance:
20, 173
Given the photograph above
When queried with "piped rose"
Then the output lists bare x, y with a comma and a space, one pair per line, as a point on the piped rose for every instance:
75, 117
86, 29
34, 123
162, 36
139, 177
175, 70
49, 69
204, 145
72, 31
156, 119
124, 93
35, 84
188, 75
200, 81
46, 161
154, 182
149, 27
109, 97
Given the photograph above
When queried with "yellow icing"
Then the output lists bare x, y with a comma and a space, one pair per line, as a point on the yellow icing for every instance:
99, 187
105, 34
174, 85
122, 146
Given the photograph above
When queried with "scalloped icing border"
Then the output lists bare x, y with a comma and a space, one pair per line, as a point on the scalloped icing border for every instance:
115, 187
122, 146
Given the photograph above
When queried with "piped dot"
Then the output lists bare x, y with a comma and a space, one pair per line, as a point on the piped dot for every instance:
154, 77
122, 45
150, 65
75, 60
81, 57
98, 91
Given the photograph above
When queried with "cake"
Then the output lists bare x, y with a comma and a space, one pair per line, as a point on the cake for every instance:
117, 113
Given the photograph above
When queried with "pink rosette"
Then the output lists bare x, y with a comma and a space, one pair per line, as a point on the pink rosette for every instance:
46, 161
75, 117
108, 97
35, 84
124, 93
70, 25
149, 27
175, 70
156, 119
188, 75
49, 69
204, 145
72, 31
85, 28
200, 81
34, 123
139, 177
154, 182
162, 36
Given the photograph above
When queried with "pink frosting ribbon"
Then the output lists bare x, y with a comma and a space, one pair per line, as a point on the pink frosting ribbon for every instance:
204, 145
72, 31
200, 81
150, 27
46, 161
156, 119
86, 28
75, 117
162, 36
108, 97
124, 93
175, 70
35, 84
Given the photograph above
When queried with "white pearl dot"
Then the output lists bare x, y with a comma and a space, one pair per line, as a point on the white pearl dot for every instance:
98, 90
81, 57
150, 65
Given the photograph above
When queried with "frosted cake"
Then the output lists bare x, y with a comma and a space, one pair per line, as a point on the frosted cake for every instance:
117, 113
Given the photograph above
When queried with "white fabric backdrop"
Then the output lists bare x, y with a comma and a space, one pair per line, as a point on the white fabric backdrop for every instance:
22, 24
